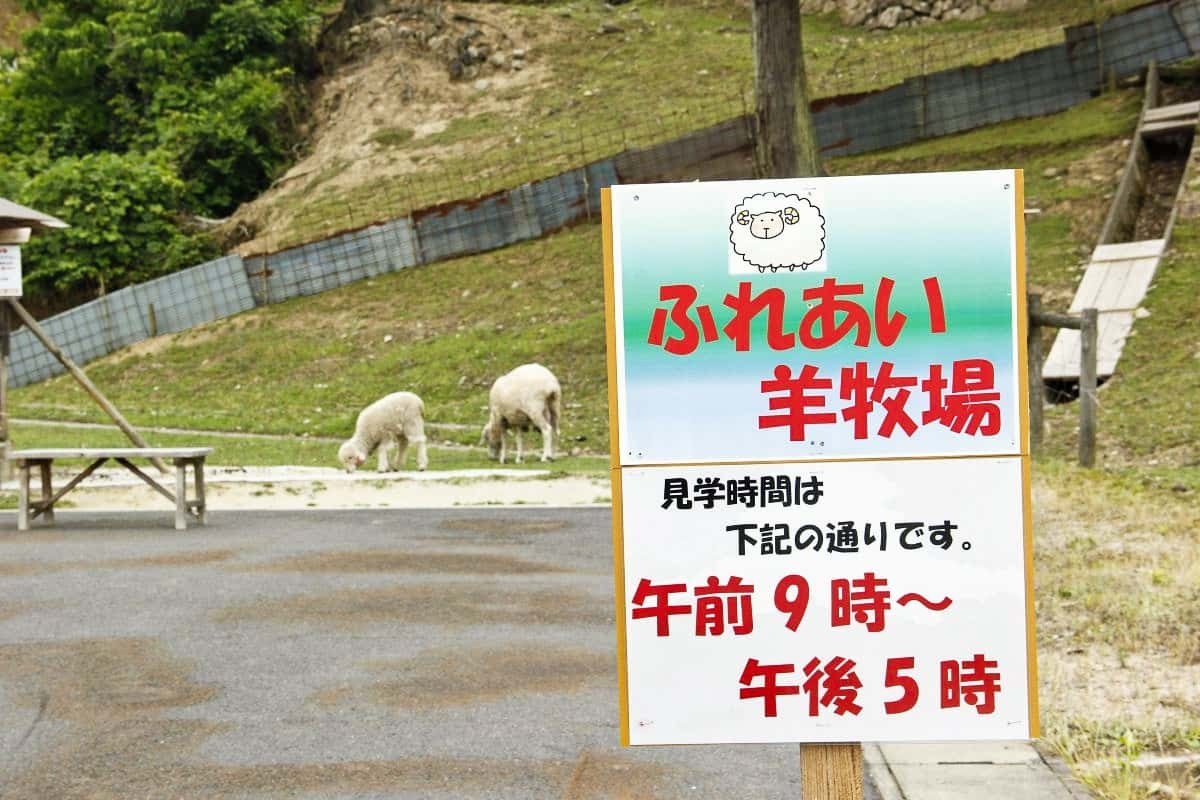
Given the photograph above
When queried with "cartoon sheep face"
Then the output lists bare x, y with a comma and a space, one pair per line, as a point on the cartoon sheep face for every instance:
768, 224
773, 231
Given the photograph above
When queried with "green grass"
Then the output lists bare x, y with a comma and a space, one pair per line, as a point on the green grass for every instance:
307, 366
391, 136
294, 451
1149, 418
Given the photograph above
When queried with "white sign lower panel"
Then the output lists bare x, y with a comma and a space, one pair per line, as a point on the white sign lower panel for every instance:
826, 602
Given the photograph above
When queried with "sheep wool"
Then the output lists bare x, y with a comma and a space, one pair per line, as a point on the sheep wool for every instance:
528, 396
393, 421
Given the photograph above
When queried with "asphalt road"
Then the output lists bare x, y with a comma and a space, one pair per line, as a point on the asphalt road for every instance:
458, 653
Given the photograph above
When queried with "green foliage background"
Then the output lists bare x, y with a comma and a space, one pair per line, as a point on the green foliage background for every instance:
122, 117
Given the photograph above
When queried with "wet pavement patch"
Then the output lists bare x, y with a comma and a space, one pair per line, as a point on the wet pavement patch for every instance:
441, 603
112, 694
155, 759
503, 526
604, 775
409, 561
467, 676
181, 559
97, 678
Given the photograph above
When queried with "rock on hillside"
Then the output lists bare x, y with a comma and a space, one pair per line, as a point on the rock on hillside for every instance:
888, 14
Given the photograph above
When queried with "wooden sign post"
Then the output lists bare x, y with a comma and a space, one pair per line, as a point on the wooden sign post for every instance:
831, 772
820, 464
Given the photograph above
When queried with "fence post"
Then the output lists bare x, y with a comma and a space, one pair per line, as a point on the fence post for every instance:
1088, 400
1037, 389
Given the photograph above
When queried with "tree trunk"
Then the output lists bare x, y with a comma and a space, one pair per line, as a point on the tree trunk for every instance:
787, 140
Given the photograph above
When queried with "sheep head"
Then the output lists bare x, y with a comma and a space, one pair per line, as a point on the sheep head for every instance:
491, 437
351, 455
768, 224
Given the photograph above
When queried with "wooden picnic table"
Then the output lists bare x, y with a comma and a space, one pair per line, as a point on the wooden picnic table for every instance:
26, 460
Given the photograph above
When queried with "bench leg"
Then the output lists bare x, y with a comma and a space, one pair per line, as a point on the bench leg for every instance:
180, 495
47, 493
201, 507
23, 497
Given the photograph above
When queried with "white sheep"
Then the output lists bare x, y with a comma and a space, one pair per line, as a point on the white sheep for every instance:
529, 396
773, 230
397, 419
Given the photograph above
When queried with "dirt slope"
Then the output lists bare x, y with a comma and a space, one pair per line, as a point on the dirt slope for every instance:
397, 79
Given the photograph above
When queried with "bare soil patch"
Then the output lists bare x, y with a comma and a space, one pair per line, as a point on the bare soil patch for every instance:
1118, 587
378, 112
1162, 184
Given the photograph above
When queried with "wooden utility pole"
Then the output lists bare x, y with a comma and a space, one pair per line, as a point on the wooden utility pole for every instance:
787, 140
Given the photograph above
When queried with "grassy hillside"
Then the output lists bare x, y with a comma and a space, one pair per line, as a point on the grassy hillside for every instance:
307, 366
391, 132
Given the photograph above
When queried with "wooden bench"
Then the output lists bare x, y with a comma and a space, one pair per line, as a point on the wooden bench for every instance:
26, 460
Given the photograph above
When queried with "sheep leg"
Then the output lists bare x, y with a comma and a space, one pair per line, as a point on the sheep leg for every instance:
517, 431
401, 451
543, 423
503, 445
384, 447
414, 434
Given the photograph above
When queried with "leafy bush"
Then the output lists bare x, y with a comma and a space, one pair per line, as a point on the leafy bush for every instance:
124, 225
200, 94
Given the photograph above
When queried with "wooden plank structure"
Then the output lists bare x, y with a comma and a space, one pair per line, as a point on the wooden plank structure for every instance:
1178, 118
1119, 273
27, 460
1115, 284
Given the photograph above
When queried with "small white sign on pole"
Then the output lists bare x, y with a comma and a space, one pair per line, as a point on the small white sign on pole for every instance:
10, 271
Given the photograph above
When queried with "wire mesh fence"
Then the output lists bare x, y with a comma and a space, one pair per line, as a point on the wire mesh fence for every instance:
872, 90
504, 196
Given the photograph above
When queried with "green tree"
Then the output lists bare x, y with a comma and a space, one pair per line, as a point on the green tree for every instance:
198, 93
124, 227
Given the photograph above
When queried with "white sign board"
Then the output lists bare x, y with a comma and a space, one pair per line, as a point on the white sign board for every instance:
10, 270
825, 602
820, 453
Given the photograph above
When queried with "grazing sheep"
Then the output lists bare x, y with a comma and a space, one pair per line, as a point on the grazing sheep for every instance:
396, 419
772, 231
529, 396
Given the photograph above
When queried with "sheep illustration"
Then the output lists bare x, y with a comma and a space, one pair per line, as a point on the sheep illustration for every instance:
773, 230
